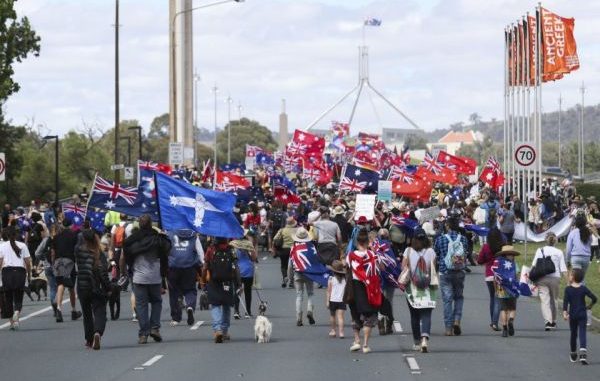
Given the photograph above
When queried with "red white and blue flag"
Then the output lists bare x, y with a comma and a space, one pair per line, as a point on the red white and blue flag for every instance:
305, 260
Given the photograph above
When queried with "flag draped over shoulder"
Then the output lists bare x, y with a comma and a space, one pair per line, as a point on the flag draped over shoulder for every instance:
184, 206
304, 259
388, 263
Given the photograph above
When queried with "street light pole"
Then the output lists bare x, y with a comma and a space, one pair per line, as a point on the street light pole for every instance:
559, 121
139, 132
56, 180
116, 89
215, 91
194, 136
128, 138
229, 102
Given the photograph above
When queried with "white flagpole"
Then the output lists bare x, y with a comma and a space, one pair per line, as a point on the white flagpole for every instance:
512, 107
528, 87
506, 140
539, 105
519, 87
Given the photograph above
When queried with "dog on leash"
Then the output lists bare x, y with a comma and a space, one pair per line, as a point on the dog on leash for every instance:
262, 326
37, 285
114, 301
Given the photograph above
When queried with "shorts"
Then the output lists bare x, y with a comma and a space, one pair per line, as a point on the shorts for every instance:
508, 304
68, 282
335, 306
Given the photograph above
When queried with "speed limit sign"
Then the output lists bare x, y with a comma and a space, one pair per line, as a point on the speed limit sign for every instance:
525, 155
2, 167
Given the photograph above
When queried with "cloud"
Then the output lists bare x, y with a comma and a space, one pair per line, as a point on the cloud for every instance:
438, 61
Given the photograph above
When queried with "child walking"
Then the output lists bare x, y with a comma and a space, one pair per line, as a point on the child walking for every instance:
574, 310
335, 298
507, 290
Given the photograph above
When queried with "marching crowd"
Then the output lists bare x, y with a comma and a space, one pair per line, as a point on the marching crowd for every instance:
367, 260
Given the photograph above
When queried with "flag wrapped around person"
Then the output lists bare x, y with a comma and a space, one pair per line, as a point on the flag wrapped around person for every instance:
305, 261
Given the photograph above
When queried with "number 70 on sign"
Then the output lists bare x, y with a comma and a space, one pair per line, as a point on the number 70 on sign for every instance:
525, 155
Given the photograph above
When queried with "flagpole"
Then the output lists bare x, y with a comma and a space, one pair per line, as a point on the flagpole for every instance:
512, 108
505, 129
526, 37
539, 62
87, 204
157, 200
518, 86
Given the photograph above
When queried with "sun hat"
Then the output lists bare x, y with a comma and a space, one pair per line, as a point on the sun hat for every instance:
507, 250
337, 266
338, 210
302, 235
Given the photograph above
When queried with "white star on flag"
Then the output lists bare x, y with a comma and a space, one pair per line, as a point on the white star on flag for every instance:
109, 204
489, 176
357, 172
301, 137
507, 265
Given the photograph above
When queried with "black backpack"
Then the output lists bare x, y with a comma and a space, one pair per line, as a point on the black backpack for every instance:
277, 220
223, 266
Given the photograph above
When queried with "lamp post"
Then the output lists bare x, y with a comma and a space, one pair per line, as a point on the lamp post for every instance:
139, 132
117, 89
194, 135
128, 138
229, 102
215, 91
174, 57
56, 182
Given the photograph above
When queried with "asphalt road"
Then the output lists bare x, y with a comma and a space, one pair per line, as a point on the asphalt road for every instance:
45, 350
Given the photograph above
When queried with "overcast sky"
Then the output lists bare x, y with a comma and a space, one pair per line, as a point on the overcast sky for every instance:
437, 60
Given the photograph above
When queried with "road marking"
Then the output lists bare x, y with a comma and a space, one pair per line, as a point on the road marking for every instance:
398, 327
152, 360
197, 325
413, 365
33, 314
264, 258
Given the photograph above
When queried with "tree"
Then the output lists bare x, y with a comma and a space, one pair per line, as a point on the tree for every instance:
243, 132
414, 141
17, 41
475, 119
159, 128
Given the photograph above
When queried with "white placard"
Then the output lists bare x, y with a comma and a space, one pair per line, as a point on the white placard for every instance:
365, 206
429, 214
176, 153
2, 167
117, 167
250, 163
128, 173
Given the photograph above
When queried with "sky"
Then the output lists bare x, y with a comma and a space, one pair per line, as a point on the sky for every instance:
438, 61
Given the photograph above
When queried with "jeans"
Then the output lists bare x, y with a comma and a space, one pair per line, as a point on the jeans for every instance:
420, 322
284, 258
51, 283
301, 283
147, 294
182, 282
452, 284
494, 306
93, 308
581, 262
247, 283
221, 318
578, 326
548, 287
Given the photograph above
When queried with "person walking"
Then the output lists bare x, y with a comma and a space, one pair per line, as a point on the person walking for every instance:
494, 243
15, 262
579, 244
574, 310
549, 284
93, 287
505, 278
450, 251
185, 259
282, 244
302, 282
147, 251
366, 291
421, 289
507, 223
221, 274
328, 236
246, 259
63, 264
335, 298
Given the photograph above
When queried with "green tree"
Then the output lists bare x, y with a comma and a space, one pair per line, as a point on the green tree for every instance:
243, 132
414, 141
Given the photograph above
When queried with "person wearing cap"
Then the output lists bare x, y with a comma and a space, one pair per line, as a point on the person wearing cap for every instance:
505, 276
301, 282
63, 263
285, 237
335, 298
548, 285
328, 236
452, 280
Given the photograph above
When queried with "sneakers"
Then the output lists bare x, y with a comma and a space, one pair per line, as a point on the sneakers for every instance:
494, 327
299, 323
332, 333
236, 316
355, 347
511, 327
190, 313
583, 356
291, 285
247, 315
311, 319
284, 282
547, 326
226, 337
96, 342
504, 331
553, 325
573, 357
155, 334
54, 309
456, 328
218, 337
416, 347
366, 350
134, 318
143, 339
59, 317
424, 342
75, 315
174, 323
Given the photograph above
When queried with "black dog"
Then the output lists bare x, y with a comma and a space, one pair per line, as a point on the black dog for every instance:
203, 300
114, 301
37, 286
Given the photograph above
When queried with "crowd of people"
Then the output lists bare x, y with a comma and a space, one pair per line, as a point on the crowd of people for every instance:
368, 260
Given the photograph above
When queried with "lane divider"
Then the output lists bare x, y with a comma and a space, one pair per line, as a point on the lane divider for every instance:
33, 314
413, 365
398, 327
152, 360
197, 325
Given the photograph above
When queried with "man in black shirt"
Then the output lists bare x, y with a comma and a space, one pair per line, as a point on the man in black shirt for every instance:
63, 262
5, 213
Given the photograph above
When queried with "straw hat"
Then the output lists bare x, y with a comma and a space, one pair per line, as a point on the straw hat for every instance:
243, 244
302, 235
338, 210
507, 250
337, 266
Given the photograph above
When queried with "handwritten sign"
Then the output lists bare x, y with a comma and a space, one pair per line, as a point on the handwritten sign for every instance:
365, 206
429, 214
384, 190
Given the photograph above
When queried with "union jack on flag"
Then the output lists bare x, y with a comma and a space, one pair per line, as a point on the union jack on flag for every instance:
296, 148
406, 178
431, 164
396, 172
370, 266
300, 254
352, 185
493, 164
311, 173
74, 209
252, 151
115, 190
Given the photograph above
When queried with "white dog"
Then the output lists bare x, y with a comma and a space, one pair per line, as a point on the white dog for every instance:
262, 329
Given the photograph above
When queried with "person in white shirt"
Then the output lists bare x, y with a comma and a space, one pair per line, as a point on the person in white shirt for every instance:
549, 285
15, 263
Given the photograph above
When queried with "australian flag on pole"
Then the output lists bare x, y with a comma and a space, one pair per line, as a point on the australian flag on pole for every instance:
184, 206
304, 259
132, 201
75, 213
97, 221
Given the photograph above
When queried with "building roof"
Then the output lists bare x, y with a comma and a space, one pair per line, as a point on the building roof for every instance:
459, 137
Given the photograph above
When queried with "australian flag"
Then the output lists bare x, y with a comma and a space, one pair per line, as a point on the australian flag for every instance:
184, 206
304, 259
359, 180
264, 158
132, 201
75, 213
388, 263
505, 273
97, 221
284, 181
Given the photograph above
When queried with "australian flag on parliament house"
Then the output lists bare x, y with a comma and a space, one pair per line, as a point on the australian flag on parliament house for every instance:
184, 206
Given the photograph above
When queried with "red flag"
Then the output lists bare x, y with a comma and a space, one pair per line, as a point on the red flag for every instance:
228, 182
419, 189
457, 163
492, 174
306, 145
158, 167
286, 196
559, 49
366, 159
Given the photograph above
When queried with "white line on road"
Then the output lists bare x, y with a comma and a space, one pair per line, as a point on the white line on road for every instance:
398, 327
413, 365
33, 314
152, 360
197, 325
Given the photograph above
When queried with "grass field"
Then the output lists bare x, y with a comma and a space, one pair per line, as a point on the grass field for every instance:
592, 278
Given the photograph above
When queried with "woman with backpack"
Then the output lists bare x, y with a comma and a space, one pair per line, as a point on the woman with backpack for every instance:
93, 287
421, 283
494, 243
282, 245
15, 263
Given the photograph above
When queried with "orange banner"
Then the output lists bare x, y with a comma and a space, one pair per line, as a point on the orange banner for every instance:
558, 46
